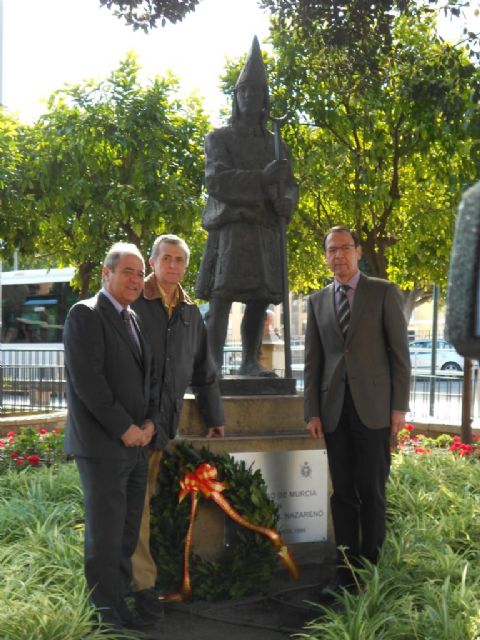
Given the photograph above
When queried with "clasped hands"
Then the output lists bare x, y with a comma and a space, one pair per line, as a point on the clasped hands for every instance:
136, 436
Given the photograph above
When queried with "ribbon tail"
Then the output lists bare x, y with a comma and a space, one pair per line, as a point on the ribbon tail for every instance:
273, 536
186, 588
289, 561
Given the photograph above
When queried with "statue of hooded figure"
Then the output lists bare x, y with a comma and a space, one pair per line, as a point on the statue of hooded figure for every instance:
241, 261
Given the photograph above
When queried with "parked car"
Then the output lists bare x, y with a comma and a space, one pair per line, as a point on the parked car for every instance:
447, 358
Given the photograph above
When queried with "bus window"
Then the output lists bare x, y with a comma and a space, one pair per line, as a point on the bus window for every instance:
35, 312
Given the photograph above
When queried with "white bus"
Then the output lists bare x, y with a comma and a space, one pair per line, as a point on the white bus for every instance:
34, 305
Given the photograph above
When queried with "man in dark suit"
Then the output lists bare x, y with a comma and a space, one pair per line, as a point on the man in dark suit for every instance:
357, 380
112, 402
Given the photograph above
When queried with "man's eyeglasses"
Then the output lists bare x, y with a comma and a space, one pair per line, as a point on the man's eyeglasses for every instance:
345, 248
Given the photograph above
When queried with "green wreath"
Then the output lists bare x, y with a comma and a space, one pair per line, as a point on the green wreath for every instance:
250, 558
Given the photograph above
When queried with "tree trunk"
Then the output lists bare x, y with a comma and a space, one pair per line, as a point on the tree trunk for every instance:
85, 274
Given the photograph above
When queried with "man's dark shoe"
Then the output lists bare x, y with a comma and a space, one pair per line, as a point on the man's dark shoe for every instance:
133, 620
147, 604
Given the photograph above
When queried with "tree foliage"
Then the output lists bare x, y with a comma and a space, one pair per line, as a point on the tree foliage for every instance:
386, 152
11, 226
144, 14
112, 161
363, 27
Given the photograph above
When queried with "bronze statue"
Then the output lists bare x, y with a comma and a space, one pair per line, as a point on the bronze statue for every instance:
247, 192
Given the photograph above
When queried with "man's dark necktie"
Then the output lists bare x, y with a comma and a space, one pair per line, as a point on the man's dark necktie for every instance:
130, 330
343, 310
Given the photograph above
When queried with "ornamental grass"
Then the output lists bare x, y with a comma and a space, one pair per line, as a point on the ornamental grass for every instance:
42, 591
425, 587
427, 582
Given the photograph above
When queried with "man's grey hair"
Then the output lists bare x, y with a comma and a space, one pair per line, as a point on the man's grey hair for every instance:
170, 238
118, 250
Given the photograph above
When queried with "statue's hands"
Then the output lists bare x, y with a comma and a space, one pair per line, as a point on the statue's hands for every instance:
283, 207
276, 171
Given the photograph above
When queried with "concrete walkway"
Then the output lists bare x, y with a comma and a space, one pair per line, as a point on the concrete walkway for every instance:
287, 608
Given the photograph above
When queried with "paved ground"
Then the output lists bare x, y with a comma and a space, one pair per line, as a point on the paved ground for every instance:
285, 611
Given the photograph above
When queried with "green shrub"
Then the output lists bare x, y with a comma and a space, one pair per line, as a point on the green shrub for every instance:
31, 448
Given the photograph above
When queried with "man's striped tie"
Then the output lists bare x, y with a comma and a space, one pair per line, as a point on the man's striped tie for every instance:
343, 310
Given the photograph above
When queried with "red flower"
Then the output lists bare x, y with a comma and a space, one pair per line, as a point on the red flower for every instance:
465, 450
57, 431
11, 434
34, 460
14, 456
460, 448
409, 426
422, 450
19, 462
42, 431
2, 443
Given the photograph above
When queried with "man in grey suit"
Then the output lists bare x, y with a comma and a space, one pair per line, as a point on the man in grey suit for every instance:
357, 380
112, 416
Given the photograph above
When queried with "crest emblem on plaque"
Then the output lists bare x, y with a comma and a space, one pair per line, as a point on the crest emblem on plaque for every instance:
306, 470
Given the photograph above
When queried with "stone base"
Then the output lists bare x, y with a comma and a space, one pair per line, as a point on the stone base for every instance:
16, 421
261, 415
260, 386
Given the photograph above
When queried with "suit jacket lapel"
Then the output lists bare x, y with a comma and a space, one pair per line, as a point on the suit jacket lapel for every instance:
116, 321
332, 310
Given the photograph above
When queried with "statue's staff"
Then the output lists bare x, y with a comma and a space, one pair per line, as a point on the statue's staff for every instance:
277, 122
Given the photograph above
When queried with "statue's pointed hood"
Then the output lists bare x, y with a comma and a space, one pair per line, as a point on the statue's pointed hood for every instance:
253, 71
254, 74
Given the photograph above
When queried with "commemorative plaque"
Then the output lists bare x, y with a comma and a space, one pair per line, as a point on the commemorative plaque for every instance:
297, 481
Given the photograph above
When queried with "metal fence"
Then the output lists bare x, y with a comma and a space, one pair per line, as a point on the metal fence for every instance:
439, 398
35, 380
32, 380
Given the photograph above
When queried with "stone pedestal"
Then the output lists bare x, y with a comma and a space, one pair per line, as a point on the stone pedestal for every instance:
260, 386
252, 424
